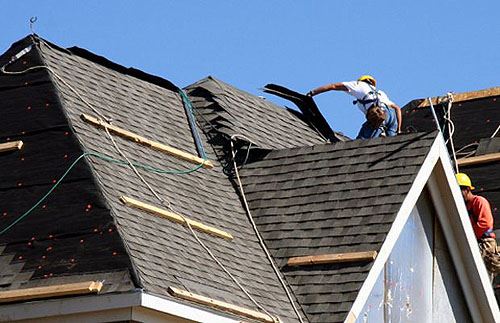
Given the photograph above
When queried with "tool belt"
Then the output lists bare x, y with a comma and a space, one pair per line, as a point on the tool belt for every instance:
375, 116
490, 254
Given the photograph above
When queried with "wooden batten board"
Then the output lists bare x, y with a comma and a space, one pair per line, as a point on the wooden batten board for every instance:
9, 146
146, 142
465, 96
251, 314
25, 294
175, 217
483, 159
332, 258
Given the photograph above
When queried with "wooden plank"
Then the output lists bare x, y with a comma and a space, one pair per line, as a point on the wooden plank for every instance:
465, 96
332, 258
175, 217
146, 142
248, 313
483, 159
9, 146
50, 291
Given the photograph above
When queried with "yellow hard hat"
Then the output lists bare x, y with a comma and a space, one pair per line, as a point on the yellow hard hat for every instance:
368, 78
464, 180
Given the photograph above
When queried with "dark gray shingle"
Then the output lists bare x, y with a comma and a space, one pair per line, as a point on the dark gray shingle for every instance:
331, 198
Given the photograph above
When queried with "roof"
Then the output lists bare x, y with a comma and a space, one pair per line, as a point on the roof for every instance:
224, 109
474, 119
72, 233
331, 198
307, 197
156, 252
457, 97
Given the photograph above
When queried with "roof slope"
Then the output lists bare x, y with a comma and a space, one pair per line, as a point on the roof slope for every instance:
331, 198
163, 253
222, 108
71, 236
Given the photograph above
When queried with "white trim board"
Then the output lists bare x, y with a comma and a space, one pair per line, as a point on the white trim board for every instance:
465, 252
131, 304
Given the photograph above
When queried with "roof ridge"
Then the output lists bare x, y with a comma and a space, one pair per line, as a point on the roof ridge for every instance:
103, 61
360, 143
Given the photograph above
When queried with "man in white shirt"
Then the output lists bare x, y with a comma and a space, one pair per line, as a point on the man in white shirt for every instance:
382, 114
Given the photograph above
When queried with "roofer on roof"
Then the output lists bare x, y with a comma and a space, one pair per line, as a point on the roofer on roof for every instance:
482, 222
382, 115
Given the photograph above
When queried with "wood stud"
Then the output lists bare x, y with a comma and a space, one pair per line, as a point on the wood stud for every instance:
175, 217
483, 159
87, 287
332, 258
9, 146
146, 142
226, 307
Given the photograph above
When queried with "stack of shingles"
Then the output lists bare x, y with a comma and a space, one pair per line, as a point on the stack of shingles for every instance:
330, 199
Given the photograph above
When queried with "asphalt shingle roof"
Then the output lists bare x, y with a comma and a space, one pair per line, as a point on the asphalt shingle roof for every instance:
225, 109
163, 253
70, 234
331, 198
307, 197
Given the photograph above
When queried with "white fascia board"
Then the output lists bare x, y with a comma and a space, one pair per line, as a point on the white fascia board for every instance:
66, 306
86, 304
183, 310
397, 226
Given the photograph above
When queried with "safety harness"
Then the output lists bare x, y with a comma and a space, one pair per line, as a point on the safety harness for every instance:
365, 101
375, 114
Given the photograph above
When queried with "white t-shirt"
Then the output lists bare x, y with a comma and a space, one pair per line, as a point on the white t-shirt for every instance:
363, 91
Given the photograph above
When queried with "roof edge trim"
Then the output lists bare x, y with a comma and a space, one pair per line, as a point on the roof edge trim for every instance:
51, 308
457, 97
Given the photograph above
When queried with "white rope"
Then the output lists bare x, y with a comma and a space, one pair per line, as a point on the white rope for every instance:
247, 208
261, 241
434, 115
496, 131
451, 129
170, 207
